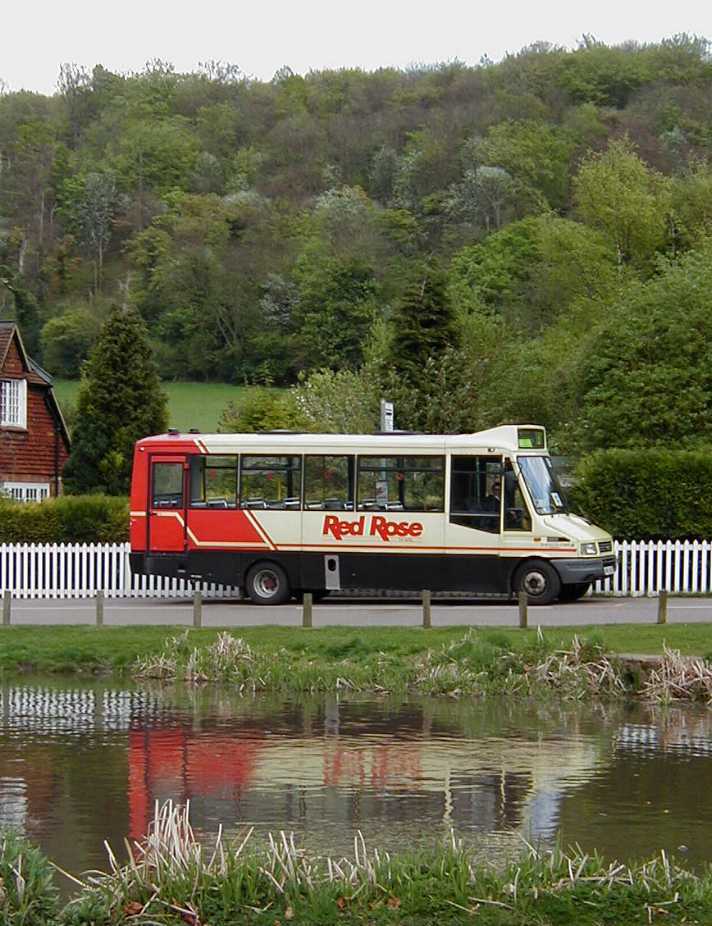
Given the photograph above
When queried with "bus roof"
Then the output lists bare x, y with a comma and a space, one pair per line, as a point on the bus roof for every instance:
504, 438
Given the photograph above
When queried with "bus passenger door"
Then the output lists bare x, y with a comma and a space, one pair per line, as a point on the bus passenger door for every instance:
166, 512
474, 523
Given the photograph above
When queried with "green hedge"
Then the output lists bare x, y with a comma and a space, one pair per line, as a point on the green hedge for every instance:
647, 494
69, 519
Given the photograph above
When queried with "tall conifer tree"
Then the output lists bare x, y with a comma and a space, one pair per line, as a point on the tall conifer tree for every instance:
423, 323
423, 345
120, 401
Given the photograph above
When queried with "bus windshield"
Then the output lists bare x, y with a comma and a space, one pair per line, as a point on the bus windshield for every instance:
543, 486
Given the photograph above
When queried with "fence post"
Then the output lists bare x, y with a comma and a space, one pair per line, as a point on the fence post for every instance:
523, 618
99, 609
307, 603
427, 610
662, 607
6, 608
197, 609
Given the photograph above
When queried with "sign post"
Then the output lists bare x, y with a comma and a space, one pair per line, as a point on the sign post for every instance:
386, 415
382, 482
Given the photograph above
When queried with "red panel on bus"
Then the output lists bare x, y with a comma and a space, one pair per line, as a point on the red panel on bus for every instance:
222, 527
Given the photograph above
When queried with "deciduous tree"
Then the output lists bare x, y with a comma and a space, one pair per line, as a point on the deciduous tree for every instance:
617, 193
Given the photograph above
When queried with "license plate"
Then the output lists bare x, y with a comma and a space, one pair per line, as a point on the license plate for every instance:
608, 570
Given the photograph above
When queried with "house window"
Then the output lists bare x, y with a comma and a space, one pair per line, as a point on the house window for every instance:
13, 403
26, 491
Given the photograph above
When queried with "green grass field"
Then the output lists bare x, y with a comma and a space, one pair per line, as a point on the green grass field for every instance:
88, 649
190, 405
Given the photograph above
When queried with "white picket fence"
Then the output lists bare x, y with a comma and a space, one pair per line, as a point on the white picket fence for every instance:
81, 570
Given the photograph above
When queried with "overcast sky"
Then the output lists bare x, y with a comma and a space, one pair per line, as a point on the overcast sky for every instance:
262, 35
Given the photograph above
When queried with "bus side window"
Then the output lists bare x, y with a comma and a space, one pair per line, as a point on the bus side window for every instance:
167, 485
401, 483
475, 492
516, 513
271, 482
213, 481
328, 483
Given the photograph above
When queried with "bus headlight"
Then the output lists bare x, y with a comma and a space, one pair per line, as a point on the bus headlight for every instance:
588, 549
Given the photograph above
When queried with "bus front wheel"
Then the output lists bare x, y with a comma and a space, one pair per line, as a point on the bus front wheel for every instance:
539, 580
267, 583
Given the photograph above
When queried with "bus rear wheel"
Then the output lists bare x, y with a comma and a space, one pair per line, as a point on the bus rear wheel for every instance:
267, 583
539, 580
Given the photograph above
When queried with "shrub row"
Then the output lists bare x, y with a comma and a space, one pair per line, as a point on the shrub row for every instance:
68, 519
651, 494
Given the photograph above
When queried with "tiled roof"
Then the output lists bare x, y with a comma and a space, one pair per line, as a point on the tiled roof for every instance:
6, 331
37, 374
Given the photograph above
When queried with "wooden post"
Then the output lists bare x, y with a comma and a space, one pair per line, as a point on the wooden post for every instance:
427, 610
662, 606
197, 609
307, 604
6, 608
99, 609
523, 618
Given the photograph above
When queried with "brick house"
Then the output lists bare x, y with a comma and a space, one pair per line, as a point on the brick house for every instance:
34, 442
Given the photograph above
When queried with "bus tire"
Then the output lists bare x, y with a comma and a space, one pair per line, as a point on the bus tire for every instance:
267, 583
539, 580
574, 592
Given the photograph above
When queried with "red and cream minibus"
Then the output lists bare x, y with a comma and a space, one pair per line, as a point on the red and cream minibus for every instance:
282, 513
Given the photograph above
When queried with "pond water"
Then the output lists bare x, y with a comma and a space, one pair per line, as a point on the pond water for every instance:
81, 763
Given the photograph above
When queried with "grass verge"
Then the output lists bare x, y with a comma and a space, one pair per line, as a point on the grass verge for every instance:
282, 659
73, 648
172, 878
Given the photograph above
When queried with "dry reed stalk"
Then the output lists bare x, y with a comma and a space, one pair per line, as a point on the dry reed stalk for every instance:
678, 677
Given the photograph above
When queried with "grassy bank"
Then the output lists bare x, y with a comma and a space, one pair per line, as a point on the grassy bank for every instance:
173, 879
448, 661
190, 405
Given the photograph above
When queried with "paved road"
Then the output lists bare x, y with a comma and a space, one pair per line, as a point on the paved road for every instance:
363, 613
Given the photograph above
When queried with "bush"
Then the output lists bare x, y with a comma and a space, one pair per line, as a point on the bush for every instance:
66, 342
68, 519
647, 494
337, 402
258, 410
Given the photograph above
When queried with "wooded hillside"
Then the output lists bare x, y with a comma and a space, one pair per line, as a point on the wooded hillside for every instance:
557, 203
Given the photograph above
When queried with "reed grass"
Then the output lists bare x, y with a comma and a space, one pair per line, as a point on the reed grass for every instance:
475, 663
678, 678
470, 664
28, 894
172, 878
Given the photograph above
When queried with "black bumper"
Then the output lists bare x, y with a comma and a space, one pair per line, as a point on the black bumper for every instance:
579, 571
